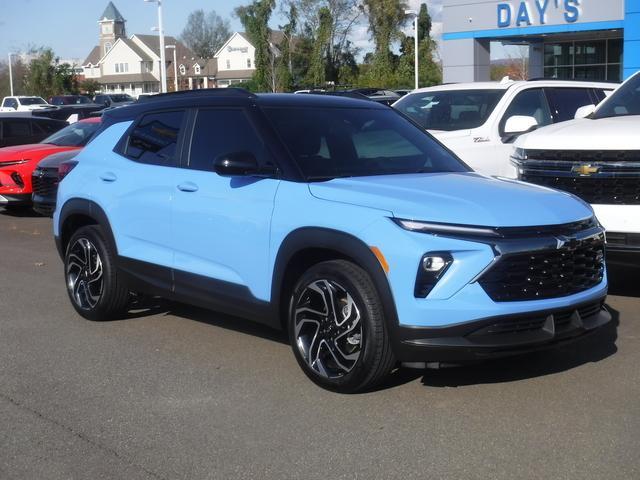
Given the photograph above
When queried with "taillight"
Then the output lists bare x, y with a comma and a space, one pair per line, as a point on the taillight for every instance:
64, 168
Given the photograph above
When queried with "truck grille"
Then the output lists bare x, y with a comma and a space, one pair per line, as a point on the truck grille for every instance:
594, 190
574, 267
584, 156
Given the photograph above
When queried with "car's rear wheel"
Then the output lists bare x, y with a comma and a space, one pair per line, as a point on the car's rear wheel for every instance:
91, 276
337, 328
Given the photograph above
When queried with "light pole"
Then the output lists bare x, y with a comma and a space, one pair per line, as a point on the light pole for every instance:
163, 65
10, 74
175, 68
415, 37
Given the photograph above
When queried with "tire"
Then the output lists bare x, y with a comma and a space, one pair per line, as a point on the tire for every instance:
94, 287
337, 328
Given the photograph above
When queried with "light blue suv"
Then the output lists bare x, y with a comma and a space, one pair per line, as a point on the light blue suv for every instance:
336, 219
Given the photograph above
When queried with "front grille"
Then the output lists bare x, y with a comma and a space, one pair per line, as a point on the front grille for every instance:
594, 190
45, 185
562, 321
623, 240
574, 267
584, 156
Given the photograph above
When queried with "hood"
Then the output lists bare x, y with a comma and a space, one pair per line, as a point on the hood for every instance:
616, 133
39, 107
35, 150
55, 159
443, 135
459, 198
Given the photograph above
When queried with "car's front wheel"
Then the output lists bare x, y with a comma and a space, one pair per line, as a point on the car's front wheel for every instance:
337, 328
91, 276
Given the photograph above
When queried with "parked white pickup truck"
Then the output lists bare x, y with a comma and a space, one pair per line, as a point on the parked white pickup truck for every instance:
24, 104
596, 158
480, 121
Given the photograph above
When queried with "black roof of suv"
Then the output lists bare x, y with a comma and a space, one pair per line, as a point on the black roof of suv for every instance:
228, 96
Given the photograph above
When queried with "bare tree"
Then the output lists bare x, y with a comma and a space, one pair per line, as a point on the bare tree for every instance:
518, 66
205, 33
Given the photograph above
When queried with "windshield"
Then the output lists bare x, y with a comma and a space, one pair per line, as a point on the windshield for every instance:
75, 135
32, 101
623, 102
352, 142
121, 98
450, 110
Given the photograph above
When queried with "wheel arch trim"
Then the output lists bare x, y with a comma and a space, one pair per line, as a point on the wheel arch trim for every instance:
345, 244
87, 208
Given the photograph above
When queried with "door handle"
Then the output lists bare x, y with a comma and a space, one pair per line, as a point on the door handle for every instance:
188, 187
108, 177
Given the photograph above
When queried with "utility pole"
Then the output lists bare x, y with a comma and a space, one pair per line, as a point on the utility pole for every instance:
414, 13
175, 68
163, 64
10, 74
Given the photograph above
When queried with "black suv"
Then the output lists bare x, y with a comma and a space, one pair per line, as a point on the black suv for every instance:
21, 130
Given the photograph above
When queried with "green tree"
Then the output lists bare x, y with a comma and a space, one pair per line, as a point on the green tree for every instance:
285, 61
18, 72
255, 19
430, 72
424, 23
386, 17
89, 87
205, 33
65, 79
338, 51
316, 75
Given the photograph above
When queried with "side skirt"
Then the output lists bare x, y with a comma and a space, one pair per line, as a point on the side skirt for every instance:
224, 297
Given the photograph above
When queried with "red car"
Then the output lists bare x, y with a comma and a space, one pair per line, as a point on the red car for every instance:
17, 163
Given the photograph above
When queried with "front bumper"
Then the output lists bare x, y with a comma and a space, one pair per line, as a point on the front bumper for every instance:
500, 336
45, 187
15, 199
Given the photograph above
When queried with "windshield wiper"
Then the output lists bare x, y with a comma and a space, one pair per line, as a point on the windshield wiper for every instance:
320, 178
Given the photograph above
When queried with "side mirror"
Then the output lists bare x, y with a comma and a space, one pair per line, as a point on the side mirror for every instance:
239, 164
584, 112
518, 124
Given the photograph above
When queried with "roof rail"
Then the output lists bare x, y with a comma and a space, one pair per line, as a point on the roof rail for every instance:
203, 92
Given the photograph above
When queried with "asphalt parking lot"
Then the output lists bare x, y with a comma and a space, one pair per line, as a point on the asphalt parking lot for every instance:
176, 392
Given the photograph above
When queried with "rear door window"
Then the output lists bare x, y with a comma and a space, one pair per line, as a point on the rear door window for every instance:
220, 132
154, 139
565, 101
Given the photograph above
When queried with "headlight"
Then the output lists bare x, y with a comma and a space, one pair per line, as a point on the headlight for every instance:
13, 162
446, 228
519, 154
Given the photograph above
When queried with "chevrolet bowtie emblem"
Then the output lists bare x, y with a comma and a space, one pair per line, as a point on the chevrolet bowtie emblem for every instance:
585, 170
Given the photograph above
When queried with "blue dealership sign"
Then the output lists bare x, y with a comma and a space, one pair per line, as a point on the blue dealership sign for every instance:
526, 13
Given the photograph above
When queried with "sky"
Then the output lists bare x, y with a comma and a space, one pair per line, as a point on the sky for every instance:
70, 26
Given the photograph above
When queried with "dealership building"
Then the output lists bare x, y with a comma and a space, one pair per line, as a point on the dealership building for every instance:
567, 39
